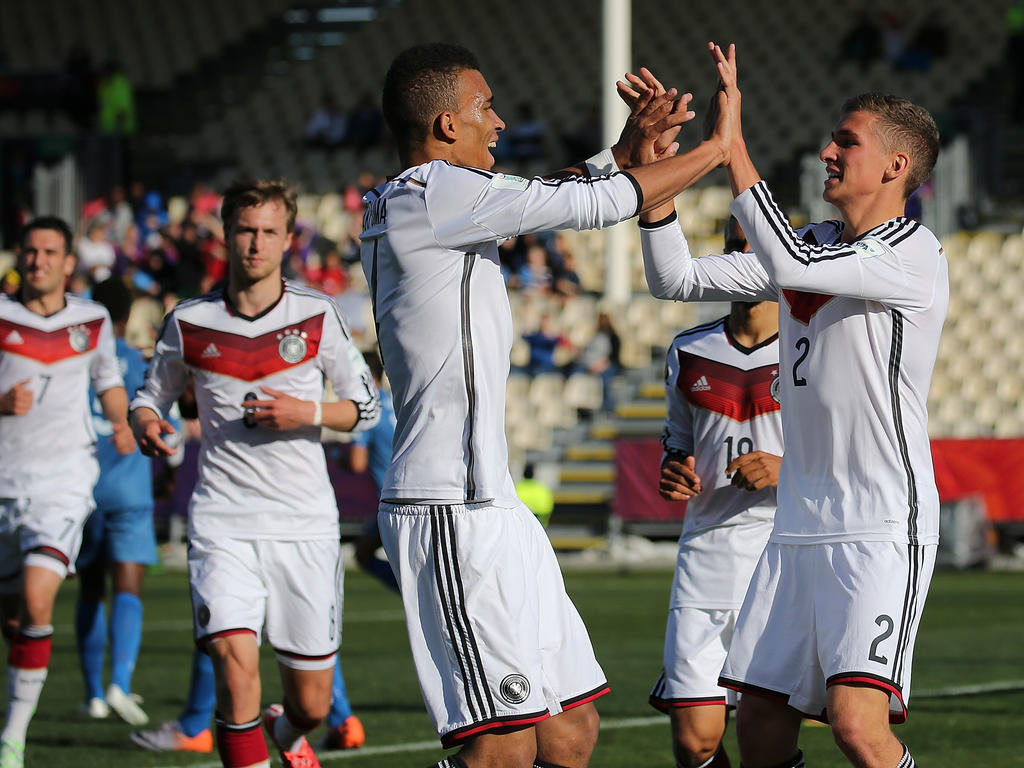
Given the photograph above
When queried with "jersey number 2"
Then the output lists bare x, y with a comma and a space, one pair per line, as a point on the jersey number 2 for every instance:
873, 654
804, 345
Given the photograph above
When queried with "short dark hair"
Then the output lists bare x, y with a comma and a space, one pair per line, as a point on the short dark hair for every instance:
904, 126
422, 82
54, 223
113, 294
247, 193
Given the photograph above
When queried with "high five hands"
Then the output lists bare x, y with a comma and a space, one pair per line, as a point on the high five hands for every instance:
659, 115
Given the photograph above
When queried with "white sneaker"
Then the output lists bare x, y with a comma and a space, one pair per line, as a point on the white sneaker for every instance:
126, 706
95, 708
169, 738
12, 754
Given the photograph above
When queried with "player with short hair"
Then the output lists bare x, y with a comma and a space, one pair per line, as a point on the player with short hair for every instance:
53, 345
118, 536
723, 442
263, 520
504, 661
828, 625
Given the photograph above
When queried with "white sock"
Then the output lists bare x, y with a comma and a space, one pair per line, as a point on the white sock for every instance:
23, 689
287, 736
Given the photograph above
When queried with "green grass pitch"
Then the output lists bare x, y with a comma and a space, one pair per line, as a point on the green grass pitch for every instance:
972, 636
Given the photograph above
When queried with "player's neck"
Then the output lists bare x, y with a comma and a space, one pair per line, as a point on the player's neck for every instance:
858, 219
751, 326
44, 304
252, 299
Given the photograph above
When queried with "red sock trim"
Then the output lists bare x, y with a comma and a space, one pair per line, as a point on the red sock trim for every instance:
30, 652
240, 749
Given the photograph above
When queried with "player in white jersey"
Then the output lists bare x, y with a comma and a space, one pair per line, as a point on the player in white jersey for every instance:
52, 347
504, 661
829, 622
723, 442
263, 520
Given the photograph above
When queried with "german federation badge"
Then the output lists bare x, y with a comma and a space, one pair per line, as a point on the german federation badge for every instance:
514, 688
78, 338
292, 347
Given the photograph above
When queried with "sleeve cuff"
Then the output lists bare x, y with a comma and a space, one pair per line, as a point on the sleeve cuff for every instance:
659, 223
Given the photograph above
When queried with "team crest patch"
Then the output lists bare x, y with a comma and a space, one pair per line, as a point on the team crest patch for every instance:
514, 689
869, 247
776, 389
506, 181
78, 338
292, 347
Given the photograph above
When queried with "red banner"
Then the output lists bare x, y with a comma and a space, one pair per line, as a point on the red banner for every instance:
988, 468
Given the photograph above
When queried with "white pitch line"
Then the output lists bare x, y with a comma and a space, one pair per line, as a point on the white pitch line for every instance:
617, 724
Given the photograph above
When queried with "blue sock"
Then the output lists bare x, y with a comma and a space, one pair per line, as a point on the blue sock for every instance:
91, 633
202, 697
381, 569
125, 638
341, 710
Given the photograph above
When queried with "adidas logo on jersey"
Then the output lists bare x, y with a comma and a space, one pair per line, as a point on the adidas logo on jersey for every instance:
211, 350
14, 338
701, 385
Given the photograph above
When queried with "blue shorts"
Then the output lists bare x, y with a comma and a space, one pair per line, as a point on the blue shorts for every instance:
119, 535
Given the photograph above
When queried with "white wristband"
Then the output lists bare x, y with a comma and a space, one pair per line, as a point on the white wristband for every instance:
602, 163
318, 413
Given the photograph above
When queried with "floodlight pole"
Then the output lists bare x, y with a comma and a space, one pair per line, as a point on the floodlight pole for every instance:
615, 62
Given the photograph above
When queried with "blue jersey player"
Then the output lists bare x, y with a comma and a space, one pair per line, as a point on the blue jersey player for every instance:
118, 533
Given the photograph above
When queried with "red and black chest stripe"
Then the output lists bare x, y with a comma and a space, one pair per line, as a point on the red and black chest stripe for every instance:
735, 393
49, 347
250, 358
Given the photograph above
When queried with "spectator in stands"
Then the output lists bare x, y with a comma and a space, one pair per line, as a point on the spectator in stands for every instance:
524, 138
600, 357
96, 256
535, 275
542, 343
120, 212
537, 497
327, 125
116, 101
862, 44
333, 274
512, 255
190, 263
11, 282
584, 140
567, 281
365, 124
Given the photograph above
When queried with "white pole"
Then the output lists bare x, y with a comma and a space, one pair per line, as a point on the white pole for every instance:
616, 57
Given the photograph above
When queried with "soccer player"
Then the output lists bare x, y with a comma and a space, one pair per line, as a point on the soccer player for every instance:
828, 625
723, 421
52, 347
504, 661
119, 531
264, 549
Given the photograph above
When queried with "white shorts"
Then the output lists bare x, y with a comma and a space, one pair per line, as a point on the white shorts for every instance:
52, 526
821, 614
289, 590
496, 640
696, 642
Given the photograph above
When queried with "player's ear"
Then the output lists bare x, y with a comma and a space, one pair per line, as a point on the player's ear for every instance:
445, 128
899, 164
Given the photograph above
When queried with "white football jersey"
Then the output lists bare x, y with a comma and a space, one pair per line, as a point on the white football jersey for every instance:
255, 482
723, 401
52, 447
430, 254
859, 327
